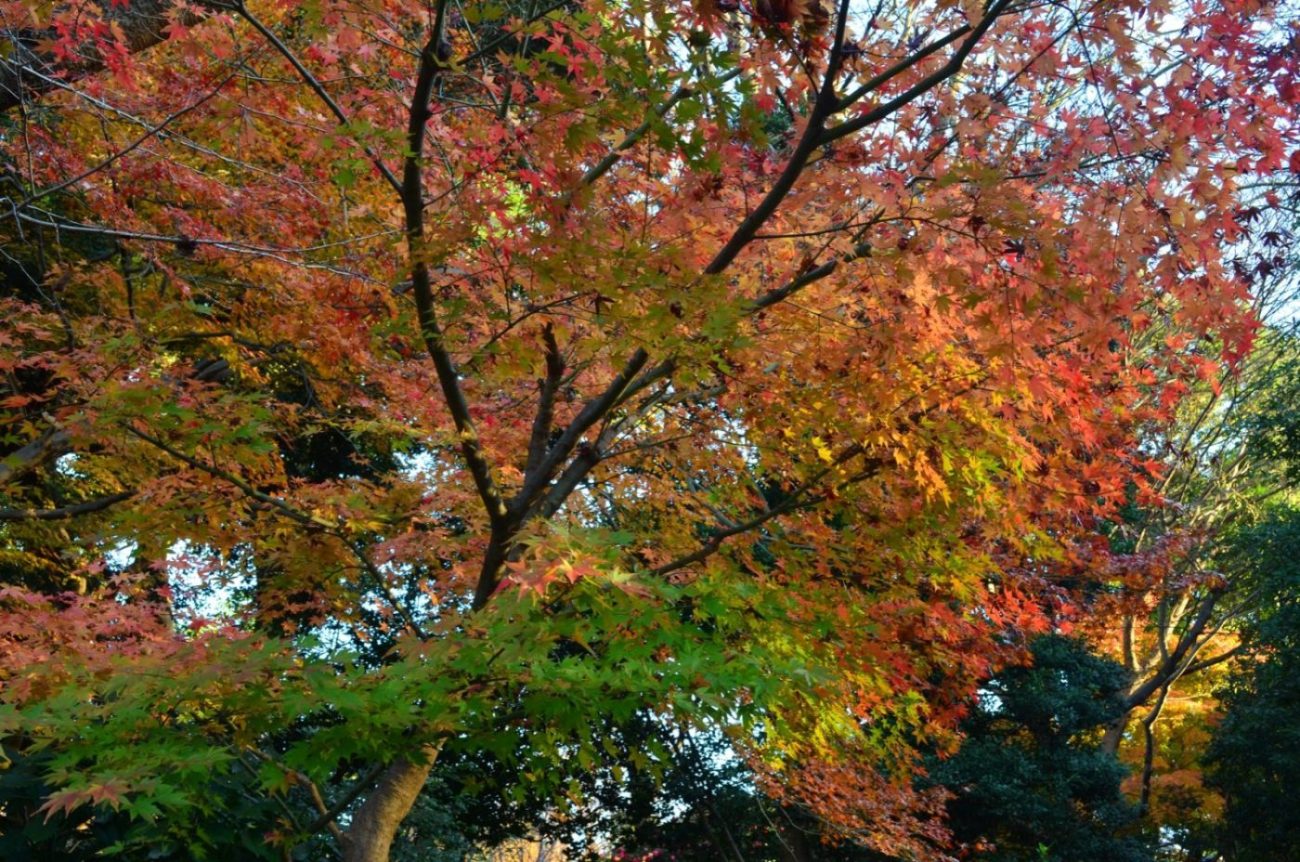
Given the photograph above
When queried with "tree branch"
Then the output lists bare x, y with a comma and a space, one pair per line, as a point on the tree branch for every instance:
878, 81
547, 388
825, 105
316, 86
797, 500
594, 410
592, 455
714, 543
156, 130
1149, 750
1170, 669
51, 444
433, 61
540, 496
312, 789
578, 469
294, 514
631, 139
329, 815
952, 67
1213, 660
65, 512
798, 283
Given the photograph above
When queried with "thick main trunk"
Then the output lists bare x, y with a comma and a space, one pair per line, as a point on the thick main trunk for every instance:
369, 836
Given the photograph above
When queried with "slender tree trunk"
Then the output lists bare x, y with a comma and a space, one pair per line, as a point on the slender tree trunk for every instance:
1114, 734
370, 835
793, 842
726, 831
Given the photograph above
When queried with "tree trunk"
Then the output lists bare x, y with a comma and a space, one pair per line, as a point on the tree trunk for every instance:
794, 844
1114, 734
370, 835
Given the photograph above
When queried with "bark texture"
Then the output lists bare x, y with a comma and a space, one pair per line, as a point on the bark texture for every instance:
370, 835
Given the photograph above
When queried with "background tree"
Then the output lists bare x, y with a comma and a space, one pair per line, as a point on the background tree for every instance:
1175, 607
1031, 780
1252, 757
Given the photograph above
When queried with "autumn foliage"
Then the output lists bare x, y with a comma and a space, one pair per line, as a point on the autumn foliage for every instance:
384, 376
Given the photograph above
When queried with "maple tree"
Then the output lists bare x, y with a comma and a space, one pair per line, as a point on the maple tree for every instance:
385, 379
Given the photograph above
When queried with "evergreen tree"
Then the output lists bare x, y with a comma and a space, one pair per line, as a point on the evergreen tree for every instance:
1031, 780
1254, 760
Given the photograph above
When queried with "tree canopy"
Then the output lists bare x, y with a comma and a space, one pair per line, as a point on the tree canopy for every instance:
391, 383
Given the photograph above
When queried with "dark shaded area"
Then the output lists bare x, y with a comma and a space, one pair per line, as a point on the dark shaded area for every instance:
1032, 782
1254, 759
